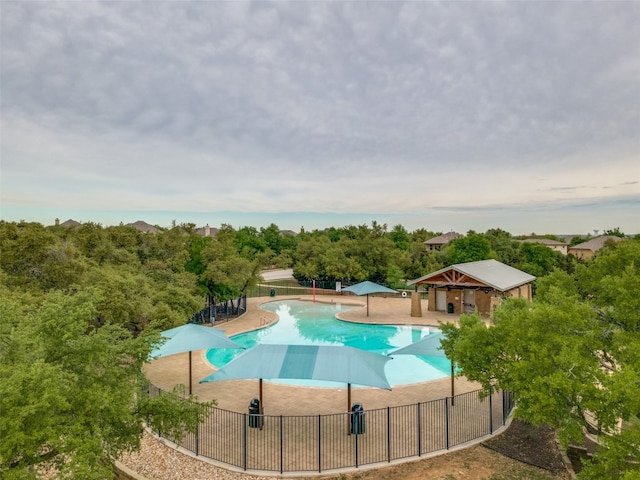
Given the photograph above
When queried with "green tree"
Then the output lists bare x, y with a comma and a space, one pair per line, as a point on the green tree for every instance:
228, 273
572, 354
70, 392
504, 245
538, 259
470, 248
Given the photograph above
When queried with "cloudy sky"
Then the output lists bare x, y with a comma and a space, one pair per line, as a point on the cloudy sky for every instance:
459, 115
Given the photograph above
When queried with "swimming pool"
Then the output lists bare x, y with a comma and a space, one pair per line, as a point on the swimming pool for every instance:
314, 323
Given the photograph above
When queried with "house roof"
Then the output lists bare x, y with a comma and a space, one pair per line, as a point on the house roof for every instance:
595, 244
489, 272
442, 239
546, 241
70, 223
143, 227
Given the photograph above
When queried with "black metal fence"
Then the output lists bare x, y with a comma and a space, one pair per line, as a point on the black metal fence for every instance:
320, 443
273, 290
221, 312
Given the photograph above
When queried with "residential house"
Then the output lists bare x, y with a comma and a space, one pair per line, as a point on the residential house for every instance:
552, 244
207, 231
68, 223
436, 243
144, 227
588, 249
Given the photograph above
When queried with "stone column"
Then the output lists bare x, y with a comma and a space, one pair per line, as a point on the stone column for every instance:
416, 305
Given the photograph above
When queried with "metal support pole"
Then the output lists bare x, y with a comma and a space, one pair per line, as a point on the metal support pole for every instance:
446, 418
453, 392
190, 383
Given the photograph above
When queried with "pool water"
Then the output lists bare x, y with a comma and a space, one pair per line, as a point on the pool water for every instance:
314, 323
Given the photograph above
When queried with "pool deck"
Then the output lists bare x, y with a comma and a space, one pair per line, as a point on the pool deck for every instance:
279, 399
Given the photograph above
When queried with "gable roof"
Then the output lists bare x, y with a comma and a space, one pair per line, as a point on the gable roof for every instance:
70, 223
143, 227
443, 239
492, 273
595, 244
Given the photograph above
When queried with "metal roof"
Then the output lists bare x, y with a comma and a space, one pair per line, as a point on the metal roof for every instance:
490, 272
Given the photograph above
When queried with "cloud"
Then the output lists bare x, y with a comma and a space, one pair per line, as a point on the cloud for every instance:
318, 106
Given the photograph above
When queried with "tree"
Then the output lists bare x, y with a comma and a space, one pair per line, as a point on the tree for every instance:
470, 248
572, 354
538, 259
614, 232
504, 245
70, 392
228, 273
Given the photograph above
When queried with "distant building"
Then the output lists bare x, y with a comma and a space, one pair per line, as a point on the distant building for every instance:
552, 244
144, 227
68, 223
465, 287
588, 249
207, 231
436, 243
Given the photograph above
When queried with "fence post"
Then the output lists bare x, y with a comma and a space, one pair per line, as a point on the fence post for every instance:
419, 431
356, 449
389, 434
319, 445
281, 448
446, 418
491, 414
244, 441
197, 439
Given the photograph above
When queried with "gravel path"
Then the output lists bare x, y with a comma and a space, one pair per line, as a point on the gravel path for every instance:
157, 461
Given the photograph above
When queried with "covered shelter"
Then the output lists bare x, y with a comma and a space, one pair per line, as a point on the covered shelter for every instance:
307, 362
481, 286
366, 288
191, 337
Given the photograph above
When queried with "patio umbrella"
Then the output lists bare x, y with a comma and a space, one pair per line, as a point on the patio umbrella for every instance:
307, 362
428, 345
367, 287
190, 337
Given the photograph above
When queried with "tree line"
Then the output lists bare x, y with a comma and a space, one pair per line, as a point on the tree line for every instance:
81, 308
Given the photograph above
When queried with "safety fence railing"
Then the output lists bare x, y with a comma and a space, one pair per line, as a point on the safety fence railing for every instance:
325, 442
221, 312
273, 290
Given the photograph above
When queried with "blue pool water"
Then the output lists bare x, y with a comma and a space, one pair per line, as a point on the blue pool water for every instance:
309, 323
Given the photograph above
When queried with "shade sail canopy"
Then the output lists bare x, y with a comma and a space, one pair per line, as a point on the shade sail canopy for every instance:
428, 345
307, 362
191, 337
365, 288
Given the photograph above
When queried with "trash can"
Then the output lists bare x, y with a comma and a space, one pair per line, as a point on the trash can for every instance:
255, 419
449, 307
357, 419
272, 292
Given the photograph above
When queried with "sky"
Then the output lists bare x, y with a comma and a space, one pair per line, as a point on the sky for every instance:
523, 116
